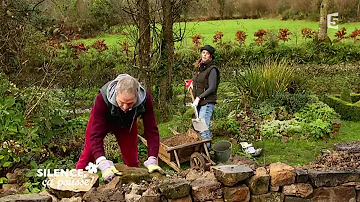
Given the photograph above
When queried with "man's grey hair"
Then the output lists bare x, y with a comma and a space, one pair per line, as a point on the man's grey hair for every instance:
128, 84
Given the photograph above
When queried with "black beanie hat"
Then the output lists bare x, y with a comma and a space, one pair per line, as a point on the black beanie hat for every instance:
208, 48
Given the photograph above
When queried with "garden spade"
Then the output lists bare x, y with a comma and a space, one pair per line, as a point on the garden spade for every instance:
199, 124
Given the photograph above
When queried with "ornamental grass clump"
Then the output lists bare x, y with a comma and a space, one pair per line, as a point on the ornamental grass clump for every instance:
262, 81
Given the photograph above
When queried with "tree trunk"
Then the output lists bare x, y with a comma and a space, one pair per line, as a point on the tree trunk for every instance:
144, 43
322, 36
167, 53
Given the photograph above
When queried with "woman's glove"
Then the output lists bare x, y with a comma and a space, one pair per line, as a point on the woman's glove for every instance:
196, 102
151, 165
108, 169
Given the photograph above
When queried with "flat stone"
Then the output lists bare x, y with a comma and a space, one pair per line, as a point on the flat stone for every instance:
147, 198
268, 197
174, 189
229, 175
10, 188
46, 193
72, 199
259, 183
357, 195
95, 195
12, 178
193, 175
183, 199
281, 174
302, 176
295, 199
332, 178
26, 198
151, 195
130, 174
334, 194
115, 182
236, 194
300, 189
132, 197
274, 188
138, 189
206, 190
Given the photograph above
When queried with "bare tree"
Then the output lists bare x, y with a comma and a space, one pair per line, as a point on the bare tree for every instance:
144, 41
154, 49
171, 12
167, 50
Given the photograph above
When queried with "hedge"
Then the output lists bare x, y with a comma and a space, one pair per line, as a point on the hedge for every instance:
355, 97
348, 111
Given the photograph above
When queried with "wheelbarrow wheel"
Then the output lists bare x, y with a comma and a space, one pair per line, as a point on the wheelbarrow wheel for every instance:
197, 161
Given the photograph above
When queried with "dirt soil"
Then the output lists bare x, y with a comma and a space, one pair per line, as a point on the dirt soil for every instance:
179, 139
345, 157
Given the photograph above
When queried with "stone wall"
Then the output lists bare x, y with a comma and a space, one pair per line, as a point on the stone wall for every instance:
277, 182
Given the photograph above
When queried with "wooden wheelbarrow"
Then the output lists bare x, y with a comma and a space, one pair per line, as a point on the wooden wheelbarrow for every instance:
192, 151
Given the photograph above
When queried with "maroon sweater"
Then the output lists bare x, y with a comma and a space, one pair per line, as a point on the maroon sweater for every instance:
100, 128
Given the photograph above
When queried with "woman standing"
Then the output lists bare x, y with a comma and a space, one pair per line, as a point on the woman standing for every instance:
205, 84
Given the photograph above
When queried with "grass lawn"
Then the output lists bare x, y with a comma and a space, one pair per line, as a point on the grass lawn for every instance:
301, 152
229, 27
207, 29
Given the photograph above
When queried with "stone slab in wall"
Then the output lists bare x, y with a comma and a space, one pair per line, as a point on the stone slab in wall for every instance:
332, 178
334, 194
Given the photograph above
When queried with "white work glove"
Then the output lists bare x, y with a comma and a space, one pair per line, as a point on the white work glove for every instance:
151, 165
196, 102
107, 168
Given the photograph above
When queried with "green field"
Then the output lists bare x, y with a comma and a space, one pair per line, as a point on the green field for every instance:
207, 29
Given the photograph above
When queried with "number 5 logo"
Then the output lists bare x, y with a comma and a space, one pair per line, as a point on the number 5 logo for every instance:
332, 20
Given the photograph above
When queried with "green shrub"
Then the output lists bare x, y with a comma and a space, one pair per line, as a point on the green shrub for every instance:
101, 13
345, 93
264, 81
227, 126
34, 126
292, 102
277, 128
316, 119
317, 110
347, 110
312, 120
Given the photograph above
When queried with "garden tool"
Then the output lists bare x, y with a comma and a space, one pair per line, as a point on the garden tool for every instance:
199, 124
